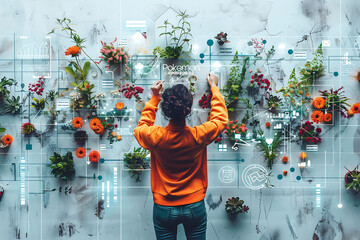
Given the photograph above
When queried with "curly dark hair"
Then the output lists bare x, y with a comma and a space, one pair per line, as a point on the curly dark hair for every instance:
177, 102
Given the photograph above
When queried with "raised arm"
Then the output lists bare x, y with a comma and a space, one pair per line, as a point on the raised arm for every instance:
208, 131
145, 132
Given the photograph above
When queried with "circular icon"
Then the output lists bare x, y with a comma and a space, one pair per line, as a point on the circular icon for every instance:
210, 42
254, 176
227, 174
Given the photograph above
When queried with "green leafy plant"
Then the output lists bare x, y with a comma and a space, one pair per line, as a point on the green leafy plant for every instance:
51, 95
63, 166
352, 179
313, 69
135, 161
176, 36
298, 90
38, 104
4, 84
235, 206
13, 105
2, 129
270, 150
233, 88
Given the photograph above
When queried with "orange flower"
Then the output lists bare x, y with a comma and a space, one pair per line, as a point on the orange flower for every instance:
118, 137
73, 51
285, 173
94, 123
285, 159
119, 106
80, 152
319, 102
350, 112
355, 108
267, 124
94, 156
301, 92
113, 133
327, 117
303, 155
308, 94
99, 130
7, 139
77, 122
317, 116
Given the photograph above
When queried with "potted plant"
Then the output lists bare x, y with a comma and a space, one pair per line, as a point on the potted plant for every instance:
136, 162
62, 166
221, 38
176, 35
352, 180
234, 206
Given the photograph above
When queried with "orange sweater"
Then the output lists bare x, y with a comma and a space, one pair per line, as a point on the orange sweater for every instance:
178, 152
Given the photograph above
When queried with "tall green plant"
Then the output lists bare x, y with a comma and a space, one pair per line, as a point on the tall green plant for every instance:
270, 150
233, 88
175, 36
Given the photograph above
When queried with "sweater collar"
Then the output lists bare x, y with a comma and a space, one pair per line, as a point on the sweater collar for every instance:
176, 124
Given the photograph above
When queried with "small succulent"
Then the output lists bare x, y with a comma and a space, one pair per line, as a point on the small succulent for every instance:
235, 206
221, 38
51, 95
353, 179
13, 105
27, 128
38, 104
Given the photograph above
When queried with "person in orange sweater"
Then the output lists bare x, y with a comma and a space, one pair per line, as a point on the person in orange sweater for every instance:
179, 158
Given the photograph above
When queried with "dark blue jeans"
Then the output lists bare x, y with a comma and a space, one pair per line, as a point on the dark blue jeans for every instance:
193, 216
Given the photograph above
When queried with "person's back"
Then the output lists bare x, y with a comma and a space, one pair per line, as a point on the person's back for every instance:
179, 158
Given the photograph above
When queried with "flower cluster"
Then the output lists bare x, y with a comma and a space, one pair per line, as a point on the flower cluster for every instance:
259, 46
219, 139
234, 127
221, 38
258, 81
114, 55
130, 91
308, 132
205, 101
37, 87
97, 126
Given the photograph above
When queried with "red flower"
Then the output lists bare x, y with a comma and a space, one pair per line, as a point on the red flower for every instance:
318, 130
94, 156
308, 139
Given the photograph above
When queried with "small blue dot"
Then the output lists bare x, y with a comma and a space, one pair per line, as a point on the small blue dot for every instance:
292, 169
102, 160
99, 177
280, 176
298, 178
201, 61
242, 160
264, 41
202, 55
290, 51
210, 42
336, 74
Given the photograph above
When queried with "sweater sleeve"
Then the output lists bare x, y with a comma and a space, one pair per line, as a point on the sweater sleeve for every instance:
145, 132
208, 131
